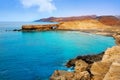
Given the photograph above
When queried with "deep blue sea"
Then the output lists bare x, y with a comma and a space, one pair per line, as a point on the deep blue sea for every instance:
35, 55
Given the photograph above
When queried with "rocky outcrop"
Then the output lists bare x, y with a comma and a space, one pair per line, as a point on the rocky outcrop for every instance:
117, 39
108, 68
114, 71
40, 27
99, 69
89, 59
80, 73
108, 65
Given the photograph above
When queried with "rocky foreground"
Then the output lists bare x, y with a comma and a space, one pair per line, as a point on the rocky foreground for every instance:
104, 66
105, 25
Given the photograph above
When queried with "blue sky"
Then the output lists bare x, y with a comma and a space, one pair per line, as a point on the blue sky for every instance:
29, 10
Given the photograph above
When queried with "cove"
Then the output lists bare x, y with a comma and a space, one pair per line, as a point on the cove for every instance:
35, 55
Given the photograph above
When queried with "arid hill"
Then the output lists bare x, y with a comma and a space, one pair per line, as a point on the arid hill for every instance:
86, 25
63, 19
108, 20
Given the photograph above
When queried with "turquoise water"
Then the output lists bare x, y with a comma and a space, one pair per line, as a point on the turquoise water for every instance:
35, 55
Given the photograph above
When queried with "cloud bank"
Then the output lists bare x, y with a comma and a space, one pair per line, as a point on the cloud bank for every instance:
43, 5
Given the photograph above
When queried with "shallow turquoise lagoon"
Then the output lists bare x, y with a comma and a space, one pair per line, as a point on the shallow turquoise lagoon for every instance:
35, 55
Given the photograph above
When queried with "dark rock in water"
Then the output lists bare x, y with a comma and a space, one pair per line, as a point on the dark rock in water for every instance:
17, 30
87, 58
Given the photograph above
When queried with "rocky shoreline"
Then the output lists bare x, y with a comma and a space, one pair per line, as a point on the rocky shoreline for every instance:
104, 66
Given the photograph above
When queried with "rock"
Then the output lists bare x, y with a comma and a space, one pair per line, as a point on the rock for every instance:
82, 76
107, 67
99, 69
89, 59
111, 54
62, 75
114, 71
117, 38
80, 66
79, 74
71, 63
17, 30
40, 27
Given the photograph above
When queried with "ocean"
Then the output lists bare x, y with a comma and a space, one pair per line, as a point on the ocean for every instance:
35, 55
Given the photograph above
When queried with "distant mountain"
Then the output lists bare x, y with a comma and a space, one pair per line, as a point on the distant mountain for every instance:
108, 20
62, 19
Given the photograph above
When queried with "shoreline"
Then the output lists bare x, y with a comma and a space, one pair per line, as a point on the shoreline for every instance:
93, 67
104, 33
87, 25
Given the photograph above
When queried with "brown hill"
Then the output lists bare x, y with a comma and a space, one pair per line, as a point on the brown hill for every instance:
63, 19
109, 20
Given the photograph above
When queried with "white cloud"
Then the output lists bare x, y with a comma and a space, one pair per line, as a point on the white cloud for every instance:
43, 5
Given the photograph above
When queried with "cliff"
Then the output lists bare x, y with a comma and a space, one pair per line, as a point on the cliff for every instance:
39, 27
107, 67
86, 25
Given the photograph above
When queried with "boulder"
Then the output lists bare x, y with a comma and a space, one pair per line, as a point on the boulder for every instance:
81, 75
81, 66
62, 75
71, 63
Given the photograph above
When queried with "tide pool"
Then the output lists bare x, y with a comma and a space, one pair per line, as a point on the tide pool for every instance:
35, 55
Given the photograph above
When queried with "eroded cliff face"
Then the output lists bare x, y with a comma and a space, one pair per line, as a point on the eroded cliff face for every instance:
108, 68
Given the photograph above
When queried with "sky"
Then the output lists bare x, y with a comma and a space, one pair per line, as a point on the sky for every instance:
30, 10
